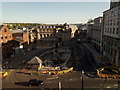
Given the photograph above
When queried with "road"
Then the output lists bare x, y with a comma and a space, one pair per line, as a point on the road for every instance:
69, 80
81, 59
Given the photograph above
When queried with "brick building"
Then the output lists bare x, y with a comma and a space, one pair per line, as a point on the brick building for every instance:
6, 38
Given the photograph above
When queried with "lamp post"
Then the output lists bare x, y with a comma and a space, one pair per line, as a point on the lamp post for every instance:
118, 80
60, 85
82, 78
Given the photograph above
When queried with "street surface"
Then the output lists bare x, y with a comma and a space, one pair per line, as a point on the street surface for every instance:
81, 59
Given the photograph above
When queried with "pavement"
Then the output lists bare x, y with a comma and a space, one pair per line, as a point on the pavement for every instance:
95, 53
72, 80
68, 80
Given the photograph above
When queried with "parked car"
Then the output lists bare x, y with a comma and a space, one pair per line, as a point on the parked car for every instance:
35, 82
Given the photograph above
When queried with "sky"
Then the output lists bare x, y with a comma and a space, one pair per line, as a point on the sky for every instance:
52, 12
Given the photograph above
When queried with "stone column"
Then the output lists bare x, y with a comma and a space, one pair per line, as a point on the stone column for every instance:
31, 37
42, 35
38, 36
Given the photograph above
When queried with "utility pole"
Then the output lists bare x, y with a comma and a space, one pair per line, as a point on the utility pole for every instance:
82, 79
60, 85
118, 79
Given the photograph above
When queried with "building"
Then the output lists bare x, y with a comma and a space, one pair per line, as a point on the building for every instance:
49, 33
89, 28
97, 33
22, 39
73, 30
6, 44
111, 35
64, 32
43, 33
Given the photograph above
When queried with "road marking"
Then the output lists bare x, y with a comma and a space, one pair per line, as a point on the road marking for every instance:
53, 78
71, 79
116, 85
108, 87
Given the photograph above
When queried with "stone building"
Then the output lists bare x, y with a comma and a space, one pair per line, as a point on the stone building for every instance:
97, 33
73, 30
111, 35
49, 33
89, 27
43, 33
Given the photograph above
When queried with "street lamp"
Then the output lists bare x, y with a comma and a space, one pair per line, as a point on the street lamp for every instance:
60, 85
82, 78
118, 80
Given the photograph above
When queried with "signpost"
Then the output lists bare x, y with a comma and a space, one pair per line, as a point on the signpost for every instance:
82, 79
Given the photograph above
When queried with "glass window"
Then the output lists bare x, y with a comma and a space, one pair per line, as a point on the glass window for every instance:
110, 30
5, 30
116, 30
5, 36
113, 30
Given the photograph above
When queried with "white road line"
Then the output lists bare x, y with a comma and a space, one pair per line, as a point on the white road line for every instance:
108, 87
53, 78
116, 85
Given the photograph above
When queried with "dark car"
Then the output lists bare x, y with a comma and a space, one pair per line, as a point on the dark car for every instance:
35, 82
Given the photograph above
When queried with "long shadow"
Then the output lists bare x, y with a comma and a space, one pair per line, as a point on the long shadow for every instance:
87, 63
22, 83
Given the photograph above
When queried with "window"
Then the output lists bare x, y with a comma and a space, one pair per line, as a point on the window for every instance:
108, 22
40, 35
116, 30
117, 22
119, 12
111, 22
5, 30
114, 22
115, 12
113, 30
9, 36
44, 35
110, 30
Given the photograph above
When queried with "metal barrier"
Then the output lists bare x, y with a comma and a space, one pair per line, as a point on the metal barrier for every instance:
114, 76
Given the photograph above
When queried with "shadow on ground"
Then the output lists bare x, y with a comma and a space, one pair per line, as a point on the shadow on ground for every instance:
22, 83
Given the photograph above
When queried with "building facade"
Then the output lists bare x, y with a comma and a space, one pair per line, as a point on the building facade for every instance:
111, 35
22, 38
43, 33
50, 33
89, 28
73, 30
6, 38
97, 33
